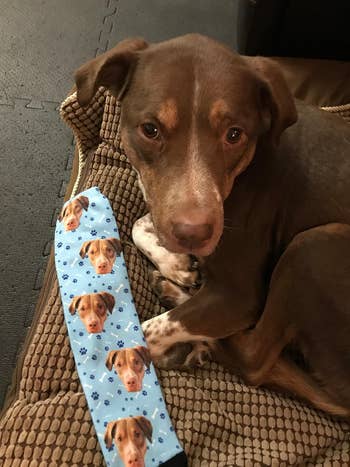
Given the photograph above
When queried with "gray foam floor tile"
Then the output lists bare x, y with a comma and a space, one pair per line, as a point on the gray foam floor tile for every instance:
34, 161
157, 20
42, 42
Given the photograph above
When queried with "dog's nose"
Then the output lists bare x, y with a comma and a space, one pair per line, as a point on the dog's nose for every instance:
93, 324
133, 461
131, 382
71, 223
192, 235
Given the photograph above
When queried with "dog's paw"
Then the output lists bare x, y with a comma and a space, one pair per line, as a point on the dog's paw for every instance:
184, 355
174, 357
179, 268
170, 295
200, 354
156, 332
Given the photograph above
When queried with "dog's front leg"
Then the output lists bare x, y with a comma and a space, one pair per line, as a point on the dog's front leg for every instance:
206, 316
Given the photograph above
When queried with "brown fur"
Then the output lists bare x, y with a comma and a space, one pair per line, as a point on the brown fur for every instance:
130, 435
93, 309
280, 268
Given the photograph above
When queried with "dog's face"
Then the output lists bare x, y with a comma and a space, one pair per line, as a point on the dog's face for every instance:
71, 214
102, 253
93, 309
130, 435
130, 366
192, 114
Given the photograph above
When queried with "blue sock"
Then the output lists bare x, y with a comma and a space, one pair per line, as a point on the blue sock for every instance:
112, 359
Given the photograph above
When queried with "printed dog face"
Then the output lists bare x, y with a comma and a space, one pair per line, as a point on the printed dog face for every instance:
191, 130
71, 214
130, 435
102, 253
93, 309
130, 366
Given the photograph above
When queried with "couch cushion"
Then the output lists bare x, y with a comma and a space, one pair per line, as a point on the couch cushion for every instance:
218, 419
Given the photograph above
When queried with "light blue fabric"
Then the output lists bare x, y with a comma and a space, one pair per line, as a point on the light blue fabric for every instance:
107, 397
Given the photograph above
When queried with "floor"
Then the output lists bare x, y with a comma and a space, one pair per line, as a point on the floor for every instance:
41, 44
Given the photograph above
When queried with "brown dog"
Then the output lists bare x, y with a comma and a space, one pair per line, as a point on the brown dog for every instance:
71, 213
93, 309
102, 253
213, 136
130, 435
130, 365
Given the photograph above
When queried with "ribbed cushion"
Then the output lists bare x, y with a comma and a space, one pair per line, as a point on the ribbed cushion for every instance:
219, 420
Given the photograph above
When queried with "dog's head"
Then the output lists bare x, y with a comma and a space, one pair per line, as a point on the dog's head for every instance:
93, 309
130, 365
130, 435
192, 114
72, 212
102, 253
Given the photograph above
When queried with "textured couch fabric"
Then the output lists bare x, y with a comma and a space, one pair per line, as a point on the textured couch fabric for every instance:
219, 420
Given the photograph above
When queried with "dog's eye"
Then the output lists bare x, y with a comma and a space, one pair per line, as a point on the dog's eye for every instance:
150, 130
119, 439
137, 434
233, 135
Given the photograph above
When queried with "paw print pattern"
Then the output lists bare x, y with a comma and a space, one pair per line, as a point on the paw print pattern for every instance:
104, 390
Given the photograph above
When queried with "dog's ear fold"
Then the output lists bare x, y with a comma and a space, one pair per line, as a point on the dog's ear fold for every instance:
108, 299
85, 248
145, 425
109, 69
84, 201
116, 245
276, 96
110, 433
74, 304
144, 354
62, 214
111, 359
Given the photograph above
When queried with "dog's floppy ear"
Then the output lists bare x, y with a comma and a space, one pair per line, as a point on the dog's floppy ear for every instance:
144, 354
112, 355
116, 244
110, 433
109, 69
84, 201
85, 248
62, 214
275, 94
145, 425
74, 304
108, 299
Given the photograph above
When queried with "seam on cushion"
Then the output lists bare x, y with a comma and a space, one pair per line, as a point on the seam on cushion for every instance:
68, 100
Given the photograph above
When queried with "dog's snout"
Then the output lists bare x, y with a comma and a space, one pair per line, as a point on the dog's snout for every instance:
191, 235
131, 382
92, 325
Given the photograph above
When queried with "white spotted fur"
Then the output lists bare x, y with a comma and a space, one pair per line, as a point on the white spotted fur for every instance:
174, 266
